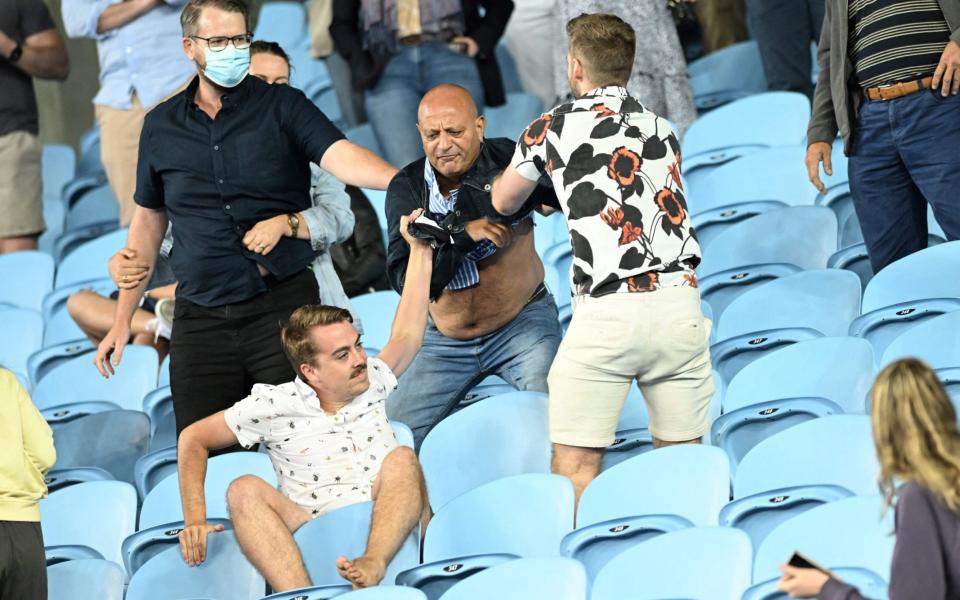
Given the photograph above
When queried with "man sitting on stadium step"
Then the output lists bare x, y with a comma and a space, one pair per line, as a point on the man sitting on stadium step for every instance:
328, 437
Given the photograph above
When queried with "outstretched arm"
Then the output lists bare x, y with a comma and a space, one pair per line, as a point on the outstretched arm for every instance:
406, 336
193, 448
43, 54
355, 165
510, 191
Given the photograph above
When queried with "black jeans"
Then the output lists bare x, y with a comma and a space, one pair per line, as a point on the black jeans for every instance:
784, 30
218, 353
23, 565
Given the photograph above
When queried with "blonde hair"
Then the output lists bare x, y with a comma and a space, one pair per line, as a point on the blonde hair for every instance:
606, 45
295, 335
915, 431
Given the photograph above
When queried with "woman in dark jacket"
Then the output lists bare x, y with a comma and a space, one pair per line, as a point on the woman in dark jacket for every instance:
915, 431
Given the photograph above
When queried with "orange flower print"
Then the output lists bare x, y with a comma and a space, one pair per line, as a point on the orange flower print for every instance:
674, 170
668, 203
644, 282
612, 217
624, 165
630, 233
549, 168
691, 279
602, 110
536, 132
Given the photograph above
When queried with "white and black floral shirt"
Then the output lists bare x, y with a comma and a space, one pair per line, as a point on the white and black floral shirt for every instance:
323, 462
616, 169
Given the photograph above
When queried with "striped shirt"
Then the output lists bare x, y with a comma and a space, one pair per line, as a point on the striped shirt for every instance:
468, 275
896, 40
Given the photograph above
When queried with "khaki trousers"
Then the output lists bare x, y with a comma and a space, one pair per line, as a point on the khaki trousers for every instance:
119, 146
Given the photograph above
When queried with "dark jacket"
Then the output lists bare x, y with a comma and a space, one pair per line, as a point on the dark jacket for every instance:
365, 67
408, 192
360, 261
837, 97
926, 557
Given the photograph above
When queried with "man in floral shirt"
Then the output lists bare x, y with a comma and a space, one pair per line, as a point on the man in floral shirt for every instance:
616, 169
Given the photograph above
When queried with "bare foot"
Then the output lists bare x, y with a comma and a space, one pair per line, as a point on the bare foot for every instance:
362, 572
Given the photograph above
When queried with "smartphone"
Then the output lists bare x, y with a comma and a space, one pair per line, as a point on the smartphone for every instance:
803, 562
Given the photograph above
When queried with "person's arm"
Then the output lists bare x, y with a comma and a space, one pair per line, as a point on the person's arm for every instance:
947, 76
355, 165
193, 448
43, 54
482, 39
119, 14
37, 436
345, 28
822, 129
406, 335
510, 191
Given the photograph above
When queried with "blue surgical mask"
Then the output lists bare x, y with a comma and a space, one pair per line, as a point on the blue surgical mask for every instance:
227, 67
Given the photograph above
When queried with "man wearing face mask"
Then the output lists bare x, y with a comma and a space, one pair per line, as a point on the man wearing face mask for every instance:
227, 153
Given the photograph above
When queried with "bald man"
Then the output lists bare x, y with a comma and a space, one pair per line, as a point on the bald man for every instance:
491, 314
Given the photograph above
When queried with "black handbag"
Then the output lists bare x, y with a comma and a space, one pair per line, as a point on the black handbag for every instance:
683, 13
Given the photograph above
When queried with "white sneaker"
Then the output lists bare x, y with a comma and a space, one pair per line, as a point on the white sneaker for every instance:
164, 311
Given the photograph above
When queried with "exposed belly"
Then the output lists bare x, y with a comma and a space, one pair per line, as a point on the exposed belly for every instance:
507, 280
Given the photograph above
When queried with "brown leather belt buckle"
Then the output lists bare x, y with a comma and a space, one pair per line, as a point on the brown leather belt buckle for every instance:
411, 40
898, 90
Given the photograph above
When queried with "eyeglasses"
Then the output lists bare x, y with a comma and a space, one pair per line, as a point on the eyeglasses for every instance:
216, 44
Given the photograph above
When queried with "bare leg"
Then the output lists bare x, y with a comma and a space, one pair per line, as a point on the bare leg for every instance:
264, 521
94, 313
581, 465
16, 244
658, 443
400, 501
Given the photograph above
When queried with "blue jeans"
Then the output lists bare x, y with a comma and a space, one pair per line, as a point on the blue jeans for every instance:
445, 369
905, 153
784, 30
391, 104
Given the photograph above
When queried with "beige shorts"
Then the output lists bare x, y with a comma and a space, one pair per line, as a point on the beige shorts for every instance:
21, 185
658, 339
119, 147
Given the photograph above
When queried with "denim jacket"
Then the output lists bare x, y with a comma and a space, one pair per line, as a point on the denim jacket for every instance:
408, 191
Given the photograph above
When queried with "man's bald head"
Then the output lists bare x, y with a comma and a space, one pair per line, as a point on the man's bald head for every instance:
451, 130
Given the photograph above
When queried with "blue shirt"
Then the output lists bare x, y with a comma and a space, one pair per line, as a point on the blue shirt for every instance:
217, 178
144, 56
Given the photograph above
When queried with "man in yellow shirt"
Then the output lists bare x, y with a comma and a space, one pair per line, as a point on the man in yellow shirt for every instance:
26, 454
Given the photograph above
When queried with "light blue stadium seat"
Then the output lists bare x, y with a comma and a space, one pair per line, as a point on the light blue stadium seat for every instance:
494, 438
59, 326
664, 490
403, 434
742, 127
90, 162
44, 360
868, 583
88, 579
140, 547
95, 207
96, 514
491, 385
326, 100
89, 261
765, 180
549, 231
21, 334
307, 73
162, 504
384, 592
855, 257
793, 308
224, 575
58, 416
378, 199
726, 75
64, 244
284, 23
512, 118
363, 135
376, 310
163, 378
839, 369
908, 292
27, 277
698, 562
557, 262
83, 442
154, 467
77, 380
319, 592
343, 532
508, 69
767, 246
852, 532
57, 478
473, 526
58, 166
525, 579
799, 468
54, 214
158, 404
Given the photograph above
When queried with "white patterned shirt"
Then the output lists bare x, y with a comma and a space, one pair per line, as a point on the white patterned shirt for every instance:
615, 167
323, 462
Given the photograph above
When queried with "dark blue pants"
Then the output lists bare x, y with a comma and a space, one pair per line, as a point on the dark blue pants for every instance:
905, 153
784, 30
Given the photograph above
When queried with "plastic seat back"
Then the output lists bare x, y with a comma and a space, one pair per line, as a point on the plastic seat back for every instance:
27, 277
767, 119
77, 380
85, 579
21, 334
376, 310
523, 579
84, 442
89, 261
97, 514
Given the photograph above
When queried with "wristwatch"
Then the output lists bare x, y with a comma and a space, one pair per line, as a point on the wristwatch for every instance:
294, 222
16, 54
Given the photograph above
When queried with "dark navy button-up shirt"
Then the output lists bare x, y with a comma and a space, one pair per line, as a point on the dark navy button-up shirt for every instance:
217, 178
